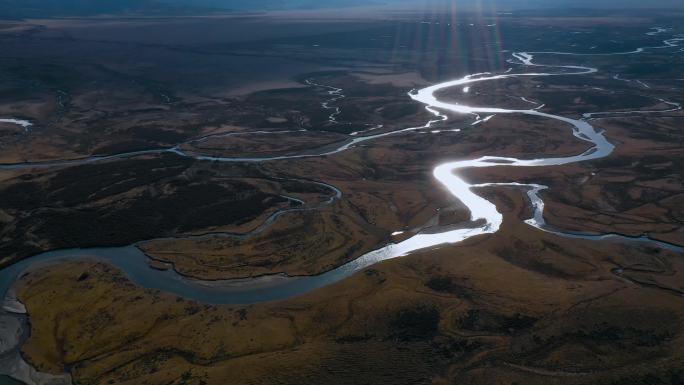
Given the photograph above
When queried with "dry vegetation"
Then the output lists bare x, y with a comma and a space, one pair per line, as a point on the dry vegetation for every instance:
519, 306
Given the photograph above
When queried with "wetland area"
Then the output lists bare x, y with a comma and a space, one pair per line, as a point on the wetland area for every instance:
354, 197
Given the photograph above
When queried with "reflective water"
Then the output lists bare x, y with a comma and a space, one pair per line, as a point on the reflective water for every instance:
485, 217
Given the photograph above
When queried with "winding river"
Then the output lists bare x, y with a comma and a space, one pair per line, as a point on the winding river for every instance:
484, 215
25, 124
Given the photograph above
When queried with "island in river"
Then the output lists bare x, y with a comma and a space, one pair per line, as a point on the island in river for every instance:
394, 198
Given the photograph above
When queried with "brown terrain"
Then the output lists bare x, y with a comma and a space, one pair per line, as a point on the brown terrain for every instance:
521, 306
517, 306
386, 185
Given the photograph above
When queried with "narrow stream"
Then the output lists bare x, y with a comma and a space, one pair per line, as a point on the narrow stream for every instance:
134, 263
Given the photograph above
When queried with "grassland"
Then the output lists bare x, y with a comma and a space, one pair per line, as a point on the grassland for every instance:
517, 307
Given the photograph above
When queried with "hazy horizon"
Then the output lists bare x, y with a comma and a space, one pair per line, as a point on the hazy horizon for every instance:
12, 9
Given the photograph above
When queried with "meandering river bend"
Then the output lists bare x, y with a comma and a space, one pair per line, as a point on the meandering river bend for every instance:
484, 215
134, 263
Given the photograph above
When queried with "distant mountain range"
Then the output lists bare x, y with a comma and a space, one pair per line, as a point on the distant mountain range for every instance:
12, 9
